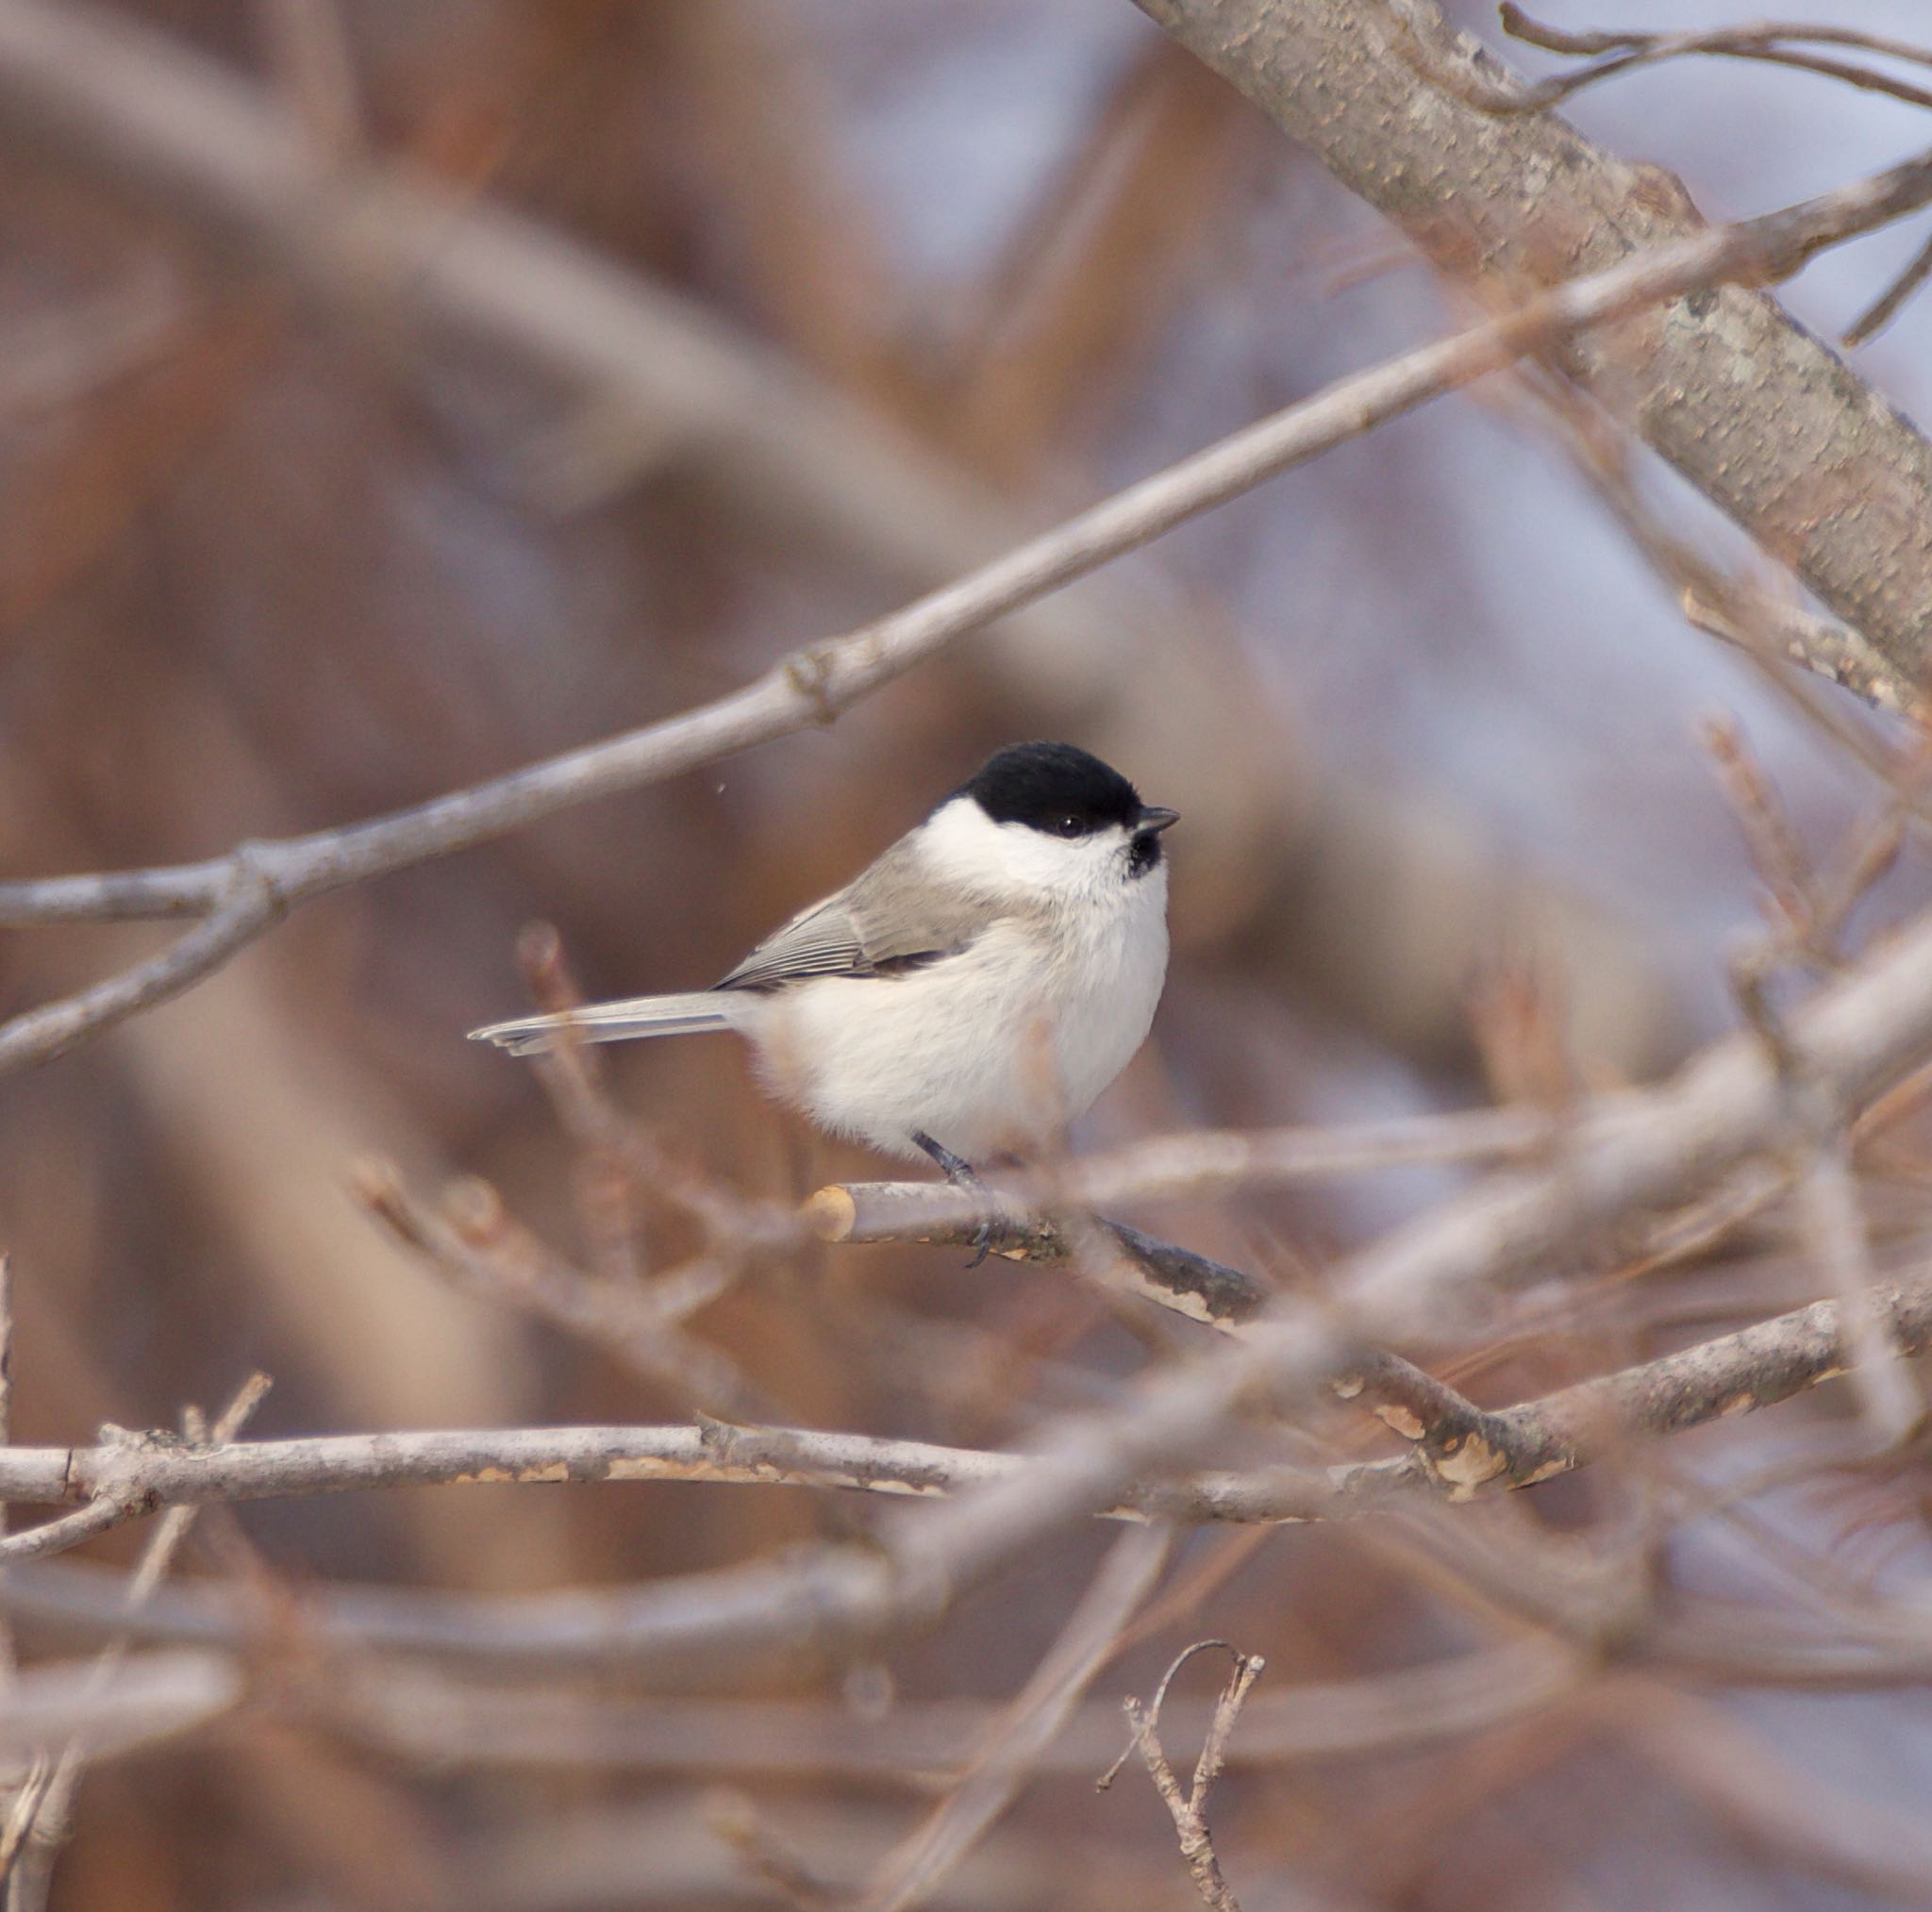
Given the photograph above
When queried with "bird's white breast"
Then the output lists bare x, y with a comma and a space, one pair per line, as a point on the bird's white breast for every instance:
996, 1047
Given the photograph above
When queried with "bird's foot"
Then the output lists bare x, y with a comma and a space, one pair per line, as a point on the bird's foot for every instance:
959, 1171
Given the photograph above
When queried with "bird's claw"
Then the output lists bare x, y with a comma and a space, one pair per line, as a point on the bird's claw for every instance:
982, 1244
960, 1173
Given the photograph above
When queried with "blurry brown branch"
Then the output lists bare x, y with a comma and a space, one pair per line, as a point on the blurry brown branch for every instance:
138, 1699
1204, 1162
428, 1712
474, 1244
1007, 1756
1748, 405
244, 893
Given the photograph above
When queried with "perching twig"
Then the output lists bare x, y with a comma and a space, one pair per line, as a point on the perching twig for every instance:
937, 1213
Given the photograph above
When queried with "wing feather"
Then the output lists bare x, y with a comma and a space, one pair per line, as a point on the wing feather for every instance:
892, 919
825, 941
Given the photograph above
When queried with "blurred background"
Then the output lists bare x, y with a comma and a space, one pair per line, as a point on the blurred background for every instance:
290, 535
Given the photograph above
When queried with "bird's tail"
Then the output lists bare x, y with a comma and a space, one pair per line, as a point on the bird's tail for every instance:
621, 1022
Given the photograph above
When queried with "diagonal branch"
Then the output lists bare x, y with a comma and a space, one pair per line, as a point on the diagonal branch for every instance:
815, 684
246, 908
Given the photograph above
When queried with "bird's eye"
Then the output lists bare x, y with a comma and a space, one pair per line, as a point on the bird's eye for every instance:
1069, 826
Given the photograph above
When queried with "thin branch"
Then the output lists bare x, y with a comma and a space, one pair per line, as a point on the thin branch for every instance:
475, 1245
1756, 1366
70, 1530
245, 910
938, 1214
1613, 54
1204, 1162
251, 887
1889, 303
1831, 1212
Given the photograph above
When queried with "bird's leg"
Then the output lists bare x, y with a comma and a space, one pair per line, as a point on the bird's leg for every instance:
959, 1171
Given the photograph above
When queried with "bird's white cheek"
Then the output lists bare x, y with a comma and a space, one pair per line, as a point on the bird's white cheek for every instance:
963, 846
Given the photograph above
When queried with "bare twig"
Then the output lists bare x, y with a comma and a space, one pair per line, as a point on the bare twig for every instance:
1169, 1276
1769, 43
770, 1859
1796, 636
1889, 303
244, 909
70, 1530
40, 1829
1204, 1162
1189, 1810
429, 1713
1831, 1210
473, 1243
1780, 863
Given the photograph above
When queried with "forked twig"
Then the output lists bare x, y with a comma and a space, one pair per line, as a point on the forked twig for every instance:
1189, 1810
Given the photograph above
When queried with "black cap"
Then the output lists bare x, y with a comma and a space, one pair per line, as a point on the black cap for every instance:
1056, 787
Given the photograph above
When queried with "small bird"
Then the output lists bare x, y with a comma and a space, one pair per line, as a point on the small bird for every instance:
976, 987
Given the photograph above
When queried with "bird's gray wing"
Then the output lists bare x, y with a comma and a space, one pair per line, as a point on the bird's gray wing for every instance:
892, 919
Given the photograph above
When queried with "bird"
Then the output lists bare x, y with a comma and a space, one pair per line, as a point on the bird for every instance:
971, 991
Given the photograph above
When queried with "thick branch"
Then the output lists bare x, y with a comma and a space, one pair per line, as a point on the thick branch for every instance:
1760, 416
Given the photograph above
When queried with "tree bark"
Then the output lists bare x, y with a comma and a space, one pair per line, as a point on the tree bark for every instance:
1822, 471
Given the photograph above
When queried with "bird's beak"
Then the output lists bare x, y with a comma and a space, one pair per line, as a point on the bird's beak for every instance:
1154, 820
